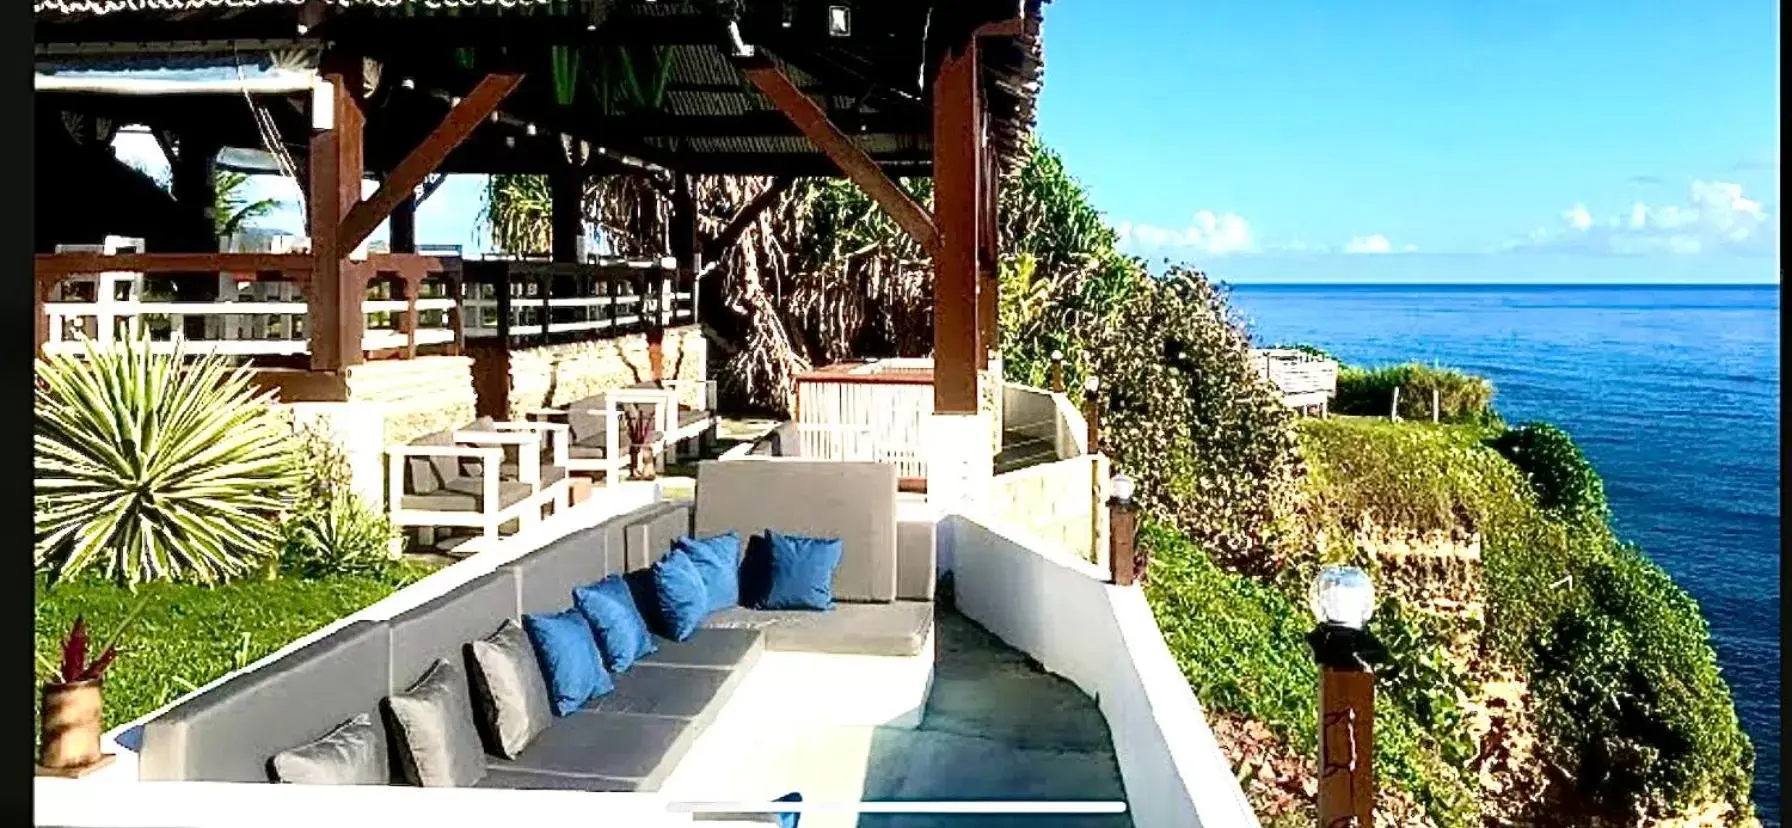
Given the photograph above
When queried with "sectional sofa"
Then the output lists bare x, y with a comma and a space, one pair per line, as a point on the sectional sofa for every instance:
629, 739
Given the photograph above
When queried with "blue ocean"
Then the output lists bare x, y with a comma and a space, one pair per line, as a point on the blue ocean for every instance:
1674, 394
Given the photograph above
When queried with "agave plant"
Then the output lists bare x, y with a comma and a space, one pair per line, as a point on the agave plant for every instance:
155, 466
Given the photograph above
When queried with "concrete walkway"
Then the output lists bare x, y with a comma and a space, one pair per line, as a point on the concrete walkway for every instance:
996, 727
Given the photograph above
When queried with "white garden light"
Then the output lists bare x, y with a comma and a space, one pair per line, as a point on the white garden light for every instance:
1123, 487
1342, 596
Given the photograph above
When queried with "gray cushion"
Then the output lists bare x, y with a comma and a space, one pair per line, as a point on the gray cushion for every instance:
587, 450
916, 559
440, 627
228, 733
427, 474
547, 576
510, 697
433, 735
585, 424
696, 693
518, 779
550, 473
899, 628
639, 749
352, 754
692, 416
855, 502
736, 649
649, 537
467, 494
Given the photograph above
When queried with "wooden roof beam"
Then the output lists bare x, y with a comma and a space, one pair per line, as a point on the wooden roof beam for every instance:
813, 122
404, 179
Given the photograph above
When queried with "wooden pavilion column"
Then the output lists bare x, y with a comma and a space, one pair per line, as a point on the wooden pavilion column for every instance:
401, 226
566, 188
336, 169
190, 182
957, 207
988, 254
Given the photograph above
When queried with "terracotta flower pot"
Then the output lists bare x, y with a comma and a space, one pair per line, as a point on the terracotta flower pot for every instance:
71, 725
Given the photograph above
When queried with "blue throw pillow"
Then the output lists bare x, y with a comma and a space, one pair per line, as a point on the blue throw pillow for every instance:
679, 592
718, 561
788, 819
616, 622
569, 659
797, 572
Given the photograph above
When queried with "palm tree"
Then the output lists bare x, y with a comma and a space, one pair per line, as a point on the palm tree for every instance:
231, 212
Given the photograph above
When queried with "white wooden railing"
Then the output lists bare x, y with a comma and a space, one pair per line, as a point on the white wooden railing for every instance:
1303, 379
888, 401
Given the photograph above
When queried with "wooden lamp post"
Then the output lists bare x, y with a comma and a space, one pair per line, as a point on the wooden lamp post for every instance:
1058, 372
1342, 600
1123, 526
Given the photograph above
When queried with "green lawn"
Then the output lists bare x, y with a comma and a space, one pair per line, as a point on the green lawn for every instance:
189, 635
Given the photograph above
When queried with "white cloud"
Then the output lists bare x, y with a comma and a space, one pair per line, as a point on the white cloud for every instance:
1377, 243
1208, 232
1717, 216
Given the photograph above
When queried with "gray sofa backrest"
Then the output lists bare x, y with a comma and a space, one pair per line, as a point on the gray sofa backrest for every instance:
547, 576
228, 733
855, 502
439, 627
650, 537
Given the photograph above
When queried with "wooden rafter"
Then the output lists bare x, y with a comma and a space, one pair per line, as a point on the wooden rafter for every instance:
812, 121
402, 182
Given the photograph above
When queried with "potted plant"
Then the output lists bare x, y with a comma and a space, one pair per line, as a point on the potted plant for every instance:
643, 464
73, 702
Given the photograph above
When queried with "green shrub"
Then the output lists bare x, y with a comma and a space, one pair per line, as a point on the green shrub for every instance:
1369, 392
155, 467
1211, 445
1629, 691
331, 530
1625, 683
1564, 481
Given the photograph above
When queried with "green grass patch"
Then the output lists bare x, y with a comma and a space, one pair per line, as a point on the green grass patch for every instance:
1462, 397
1242, 646
188, 635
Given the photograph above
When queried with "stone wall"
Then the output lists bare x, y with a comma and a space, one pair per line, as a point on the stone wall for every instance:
552, 375
1053, 503
415, 396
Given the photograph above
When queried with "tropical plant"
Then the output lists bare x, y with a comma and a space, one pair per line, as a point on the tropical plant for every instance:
155, 466
518, 210
73, 666
231, 211
331, 530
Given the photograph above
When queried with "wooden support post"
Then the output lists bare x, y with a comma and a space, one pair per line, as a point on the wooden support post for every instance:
336, 169
402, 182
1436, 410
1394, 407
988, 279
957, 154
190, 180
567, 189
1122, 533
1057, 372
402, 229
1346, 743
812, 121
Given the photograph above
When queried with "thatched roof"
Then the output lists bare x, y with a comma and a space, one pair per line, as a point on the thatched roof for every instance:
703, 116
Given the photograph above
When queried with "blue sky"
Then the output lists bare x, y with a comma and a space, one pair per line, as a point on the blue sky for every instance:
1402, 141
1471, 141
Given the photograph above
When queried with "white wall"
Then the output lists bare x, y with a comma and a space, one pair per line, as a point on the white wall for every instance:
1063, 613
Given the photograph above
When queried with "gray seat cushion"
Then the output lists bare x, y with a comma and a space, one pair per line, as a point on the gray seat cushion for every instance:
465, 494
434, 740
441, 627
733, 649
426, 473
591, 448
621, 746
526, 780
899, 628
692, 416
694, 693
353, 754
550, 473
228, 733
855, 502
